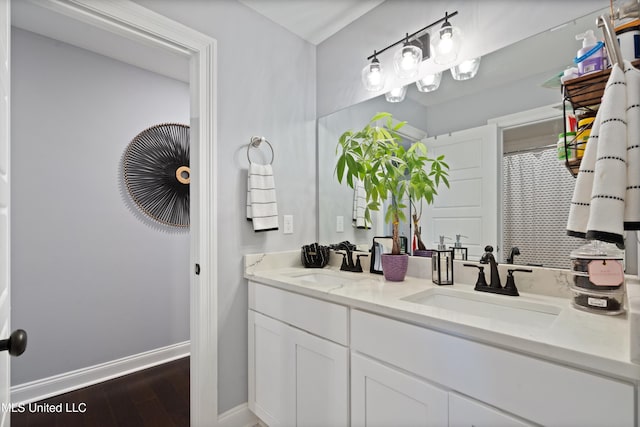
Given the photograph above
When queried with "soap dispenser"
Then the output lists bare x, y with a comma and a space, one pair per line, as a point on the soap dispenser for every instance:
591, 57
442, 264
459, 252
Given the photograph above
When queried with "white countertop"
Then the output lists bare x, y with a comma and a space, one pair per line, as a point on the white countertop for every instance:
595, 342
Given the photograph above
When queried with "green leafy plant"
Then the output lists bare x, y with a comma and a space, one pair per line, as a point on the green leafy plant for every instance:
388, 171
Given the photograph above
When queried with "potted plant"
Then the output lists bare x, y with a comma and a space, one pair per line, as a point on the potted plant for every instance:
422, 187
390, 173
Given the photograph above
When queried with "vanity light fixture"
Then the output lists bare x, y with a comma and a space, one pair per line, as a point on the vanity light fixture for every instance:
396, 94
466, 69
447, 42
416, 48
373, 75
407, 60
429, 83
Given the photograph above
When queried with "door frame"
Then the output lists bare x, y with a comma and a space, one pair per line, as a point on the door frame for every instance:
140, 24
510, 121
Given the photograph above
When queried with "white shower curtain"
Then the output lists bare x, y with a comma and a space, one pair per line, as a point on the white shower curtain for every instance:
537, 191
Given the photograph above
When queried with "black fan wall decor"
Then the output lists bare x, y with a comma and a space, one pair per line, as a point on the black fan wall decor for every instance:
157, 175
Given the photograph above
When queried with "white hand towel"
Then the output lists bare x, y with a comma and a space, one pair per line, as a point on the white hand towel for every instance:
606, 216
581, 200
262, 208
359, 205
632, 198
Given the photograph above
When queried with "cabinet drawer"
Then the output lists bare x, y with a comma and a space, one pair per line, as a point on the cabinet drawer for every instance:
318, 317
531, 388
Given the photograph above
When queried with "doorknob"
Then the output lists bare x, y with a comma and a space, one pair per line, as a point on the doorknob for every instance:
16, 344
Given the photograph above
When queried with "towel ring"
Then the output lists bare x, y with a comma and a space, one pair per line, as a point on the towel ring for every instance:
255, 143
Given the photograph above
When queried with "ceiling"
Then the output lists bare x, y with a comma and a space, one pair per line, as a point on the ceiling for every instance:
313, 20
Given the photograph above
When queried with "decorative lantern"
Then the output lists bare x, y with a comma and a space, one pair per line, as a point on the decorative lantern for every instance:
442, 265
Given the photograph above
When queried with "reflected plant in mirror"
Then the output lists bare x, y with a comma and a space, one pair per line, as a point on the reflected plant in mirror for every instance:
388, 172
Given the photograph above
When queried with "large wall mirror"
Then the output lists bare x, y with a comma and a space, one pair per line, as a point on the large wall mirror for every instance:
523, 191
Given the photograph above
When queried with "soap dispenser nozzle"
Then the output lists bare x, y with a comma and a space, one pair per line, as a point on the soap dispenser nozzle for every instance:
458, 243
441, 245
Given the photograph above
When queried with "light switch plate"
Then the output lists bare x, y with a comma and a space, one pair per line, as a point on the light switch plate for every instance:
288, 224
339, 224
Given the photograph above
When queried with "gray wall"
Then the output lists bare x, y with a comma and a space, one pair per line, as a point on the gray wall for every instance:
90, 282
266, 86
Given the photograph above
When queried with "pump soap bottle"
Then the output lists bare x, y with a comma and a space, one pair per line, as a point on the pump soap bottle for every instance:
591, 57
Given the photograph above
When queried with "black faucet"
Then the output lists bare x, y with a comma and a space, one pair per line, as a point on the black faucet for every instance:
514, 251
495, 286
347, 258
488, 258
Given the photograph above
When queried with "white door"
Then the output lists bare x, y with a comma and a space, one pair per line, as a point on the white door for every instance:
470, 206
464, 412
382, 397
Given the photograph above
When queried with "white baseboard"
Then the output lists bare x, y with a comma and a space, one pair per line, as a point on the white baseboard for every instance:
62, 383
240, 416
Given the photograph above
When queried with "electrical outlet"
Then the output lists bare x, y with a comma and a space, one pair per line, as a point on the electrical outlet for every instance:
288, 224
339, 224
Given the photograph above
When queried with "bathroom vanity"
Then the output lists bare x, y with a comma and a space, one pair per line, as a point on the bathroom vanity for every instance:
334, 348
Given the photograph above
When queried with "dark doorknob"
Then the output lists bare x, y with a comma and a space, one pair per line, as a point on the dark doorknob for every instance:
16, 344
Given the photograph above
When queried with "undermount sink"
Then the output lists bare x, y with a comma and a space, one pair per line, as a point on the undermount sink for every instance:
325, 279
495, 307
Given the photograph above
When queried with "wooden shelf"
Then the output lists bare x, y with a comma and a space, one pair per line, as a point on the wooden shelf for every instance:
585, 94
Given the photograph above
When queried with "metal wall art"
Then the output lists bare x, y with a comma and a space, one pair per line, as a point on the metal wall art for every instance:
157, 174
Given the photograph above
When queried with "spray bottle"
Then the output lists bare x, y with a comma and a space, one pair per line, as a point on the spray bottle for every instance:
591, 57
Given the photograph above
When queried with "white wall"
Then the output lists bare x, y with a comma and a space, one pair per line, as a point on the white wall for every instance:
488, 25
90, 282
266, 86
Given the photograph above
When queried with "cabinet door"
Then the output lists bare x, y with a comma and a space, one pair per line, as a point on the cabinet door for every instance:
321, 381
271, 381
382, 396
464, 412
295, 378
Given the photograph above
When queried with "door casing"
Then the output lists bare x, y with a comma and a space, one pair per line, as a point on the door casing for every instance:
139, 24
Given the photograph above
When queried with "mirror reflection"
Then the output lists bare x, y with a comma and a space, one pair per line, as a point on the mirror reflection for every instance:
507, 187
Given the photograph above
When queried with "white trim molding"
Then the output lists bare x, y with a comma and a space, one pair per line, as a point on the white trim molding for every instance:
522, 118
240, 416
63, 383
135, 22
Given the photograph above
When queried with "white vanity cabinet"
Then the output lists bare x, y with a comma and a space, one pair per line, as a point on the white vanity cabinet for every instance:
383, 396
465, 412
530, 389
298, 359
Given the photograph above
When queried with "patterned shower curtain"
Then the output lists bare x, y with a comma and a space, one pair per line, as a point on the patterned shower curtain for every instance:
537, 191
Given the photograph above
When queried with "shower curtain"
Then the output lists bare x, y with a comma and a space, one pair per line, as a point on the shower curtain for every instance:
537, 191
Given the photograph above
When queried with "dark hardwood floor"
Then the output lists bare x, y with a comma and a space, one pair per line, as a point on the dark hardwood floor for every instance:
157, 397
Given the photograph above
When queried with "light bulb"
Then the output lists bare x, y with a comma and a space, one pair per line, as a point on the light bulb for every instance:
396, 94
466, 69
407, 60
373, 76
447, 44
429, 83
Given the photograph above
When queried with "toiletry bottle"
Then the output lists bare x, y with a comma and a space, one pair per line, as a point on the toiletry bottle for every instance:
566, 146
590, 57
459, 252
